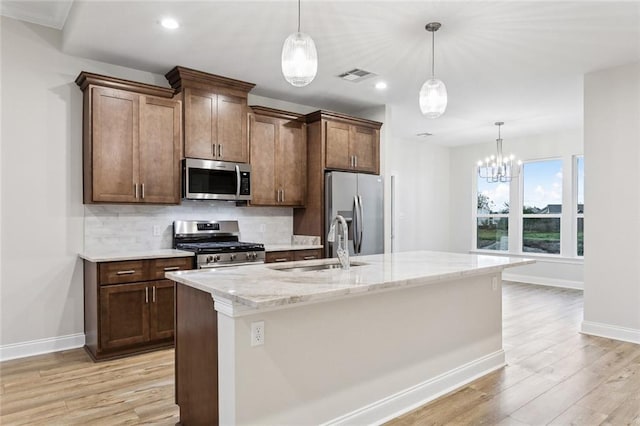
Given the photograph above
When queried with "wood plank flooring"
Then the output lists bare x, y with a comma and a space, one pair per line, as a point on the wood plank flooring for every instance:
554, 376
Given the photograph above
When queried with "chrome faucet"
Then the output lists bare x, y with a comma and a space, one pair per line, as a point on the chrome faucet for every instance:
343, 240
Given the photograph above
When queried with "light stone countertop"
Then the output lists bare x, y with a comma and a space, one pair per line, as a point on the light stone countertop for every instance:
289, 247
134, 255
264, 286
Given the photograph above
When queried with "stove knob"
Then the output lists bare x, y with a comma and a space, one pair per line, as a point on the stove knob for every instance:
248, 256
232, 257
216, 258
254, 256
209, 259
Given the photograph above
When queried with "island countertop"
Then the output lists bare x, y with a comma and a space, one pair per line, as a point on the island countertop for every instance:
267, 285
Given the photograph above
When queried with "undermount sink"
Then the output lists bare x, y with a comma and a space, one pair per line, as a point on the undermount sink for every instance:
311, 268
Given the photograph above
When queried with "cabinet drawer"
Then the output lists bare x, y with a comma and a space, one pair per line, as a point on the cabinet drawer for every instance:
278, 256
307, 254
158, 267
122, 272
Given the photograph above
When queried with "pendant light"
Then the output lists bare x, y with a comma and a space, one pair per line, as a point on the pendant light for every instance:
499, 168
299, 58
433, 94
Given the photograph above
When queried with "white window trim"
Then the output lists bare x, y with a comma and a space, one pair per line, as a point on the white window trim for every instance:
475, 216
522, 216
568, 217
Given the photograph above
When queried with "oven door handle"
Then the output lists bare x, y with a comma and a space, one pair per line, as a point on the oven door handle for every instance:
227, 265
237, 181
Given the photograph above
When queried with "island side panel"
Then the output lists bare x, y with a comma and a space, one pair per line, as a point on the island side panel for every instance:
196, 352
326, 360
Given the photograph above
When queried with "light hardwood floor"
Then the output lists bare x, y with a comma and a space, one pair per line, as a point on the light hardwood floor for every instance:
554, 376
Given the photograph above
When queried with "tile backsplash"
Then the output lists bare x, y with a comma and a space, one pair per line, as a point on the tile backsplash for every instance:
131, 227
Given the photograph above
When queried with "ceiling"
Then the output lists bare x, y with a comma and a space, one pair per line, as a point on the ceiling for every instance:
517, 62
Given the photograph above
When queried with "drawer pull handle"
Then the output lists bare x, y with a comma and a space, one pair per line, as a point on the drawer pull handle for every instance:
129, 272
154, 294
281, 259
146, 295
172, 268
309, 257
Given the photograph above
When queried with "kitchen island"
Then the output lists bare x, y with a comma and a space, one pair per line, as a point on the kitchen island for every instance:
355, 346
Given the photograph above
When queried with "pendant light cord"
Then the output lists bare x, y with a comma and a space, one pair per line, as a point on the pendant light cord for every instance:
298, 15
433, 53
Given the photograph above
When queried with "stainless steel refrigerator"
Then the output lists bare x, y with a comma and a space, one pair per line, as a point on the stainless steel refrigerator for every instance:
359, 198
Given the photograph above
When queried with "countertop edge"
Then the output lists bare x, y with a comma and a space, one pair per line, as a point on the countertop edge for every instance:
135, 255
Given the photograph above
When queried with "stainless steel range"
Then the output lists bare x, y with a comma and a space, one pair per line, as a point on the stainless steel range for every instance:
216, 243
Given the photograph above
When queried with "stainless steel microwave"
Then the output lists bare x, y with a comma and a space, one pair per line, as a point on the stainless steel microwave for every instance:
215, 180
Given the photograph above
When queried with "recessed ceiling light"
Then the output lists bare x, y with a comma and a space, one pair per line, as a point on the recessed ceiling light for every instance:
169, 23
381, 85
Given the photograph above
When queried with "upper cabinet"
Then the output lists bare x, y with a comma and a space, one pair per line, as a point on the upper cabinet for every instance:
278, 152
131, 137
215, 115
351, 144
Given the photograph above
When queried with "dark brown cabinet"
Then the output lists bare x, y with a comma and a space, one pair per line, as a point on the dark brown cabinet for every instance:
278, 158
129, 306
132, 136
292, 255
352, 147
215, 115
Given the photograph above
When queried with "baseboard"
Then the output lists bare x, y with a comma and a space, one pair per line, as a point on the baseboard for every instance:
41, 346
609, 331
404, 401
551, 282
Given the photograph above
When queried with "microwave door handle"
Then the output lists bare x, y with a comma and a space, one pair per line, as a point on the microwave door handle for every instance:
237, 181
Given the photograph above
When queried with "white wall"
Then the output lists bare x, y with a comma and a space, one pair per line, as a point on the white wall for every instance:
564, 145
612, 219
41, 295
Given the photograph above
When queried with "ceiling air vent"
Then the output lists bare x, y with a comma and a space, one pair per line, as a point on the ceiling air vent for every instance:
356, 75
424, 134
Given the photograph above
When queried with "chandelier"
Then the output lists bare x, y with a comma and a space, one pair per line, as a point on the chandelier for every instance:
299, 58
433, 94
499, 168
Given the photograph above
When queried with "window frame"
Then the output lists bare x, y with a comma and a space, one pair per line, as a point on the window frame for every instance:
522, 216
575, 202
476, 216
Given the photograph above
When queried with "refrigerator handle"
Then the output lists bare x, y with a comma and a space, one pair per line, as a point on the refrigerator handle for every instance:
360, 227
355, 224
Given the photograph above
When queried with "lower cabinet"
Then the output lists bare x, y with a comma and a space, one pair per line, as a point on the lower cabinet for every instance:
292, 255
124, 317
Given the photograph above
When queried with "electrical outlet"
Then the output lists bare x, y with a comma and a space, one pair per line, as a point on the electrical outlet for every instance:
257, 333
156, 231
494, 283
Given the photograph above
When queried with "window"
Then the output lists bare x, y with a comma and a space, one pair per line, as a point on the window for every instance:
580, 206
492, 215
541, 206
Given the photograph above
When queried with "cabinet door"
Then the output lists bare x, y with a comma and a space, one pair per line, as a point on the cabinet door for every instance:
263, 134
161, 322
124, 315
337, 146
160, 150
291, 163
364, 146
114, 124
232, 129
200, 124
